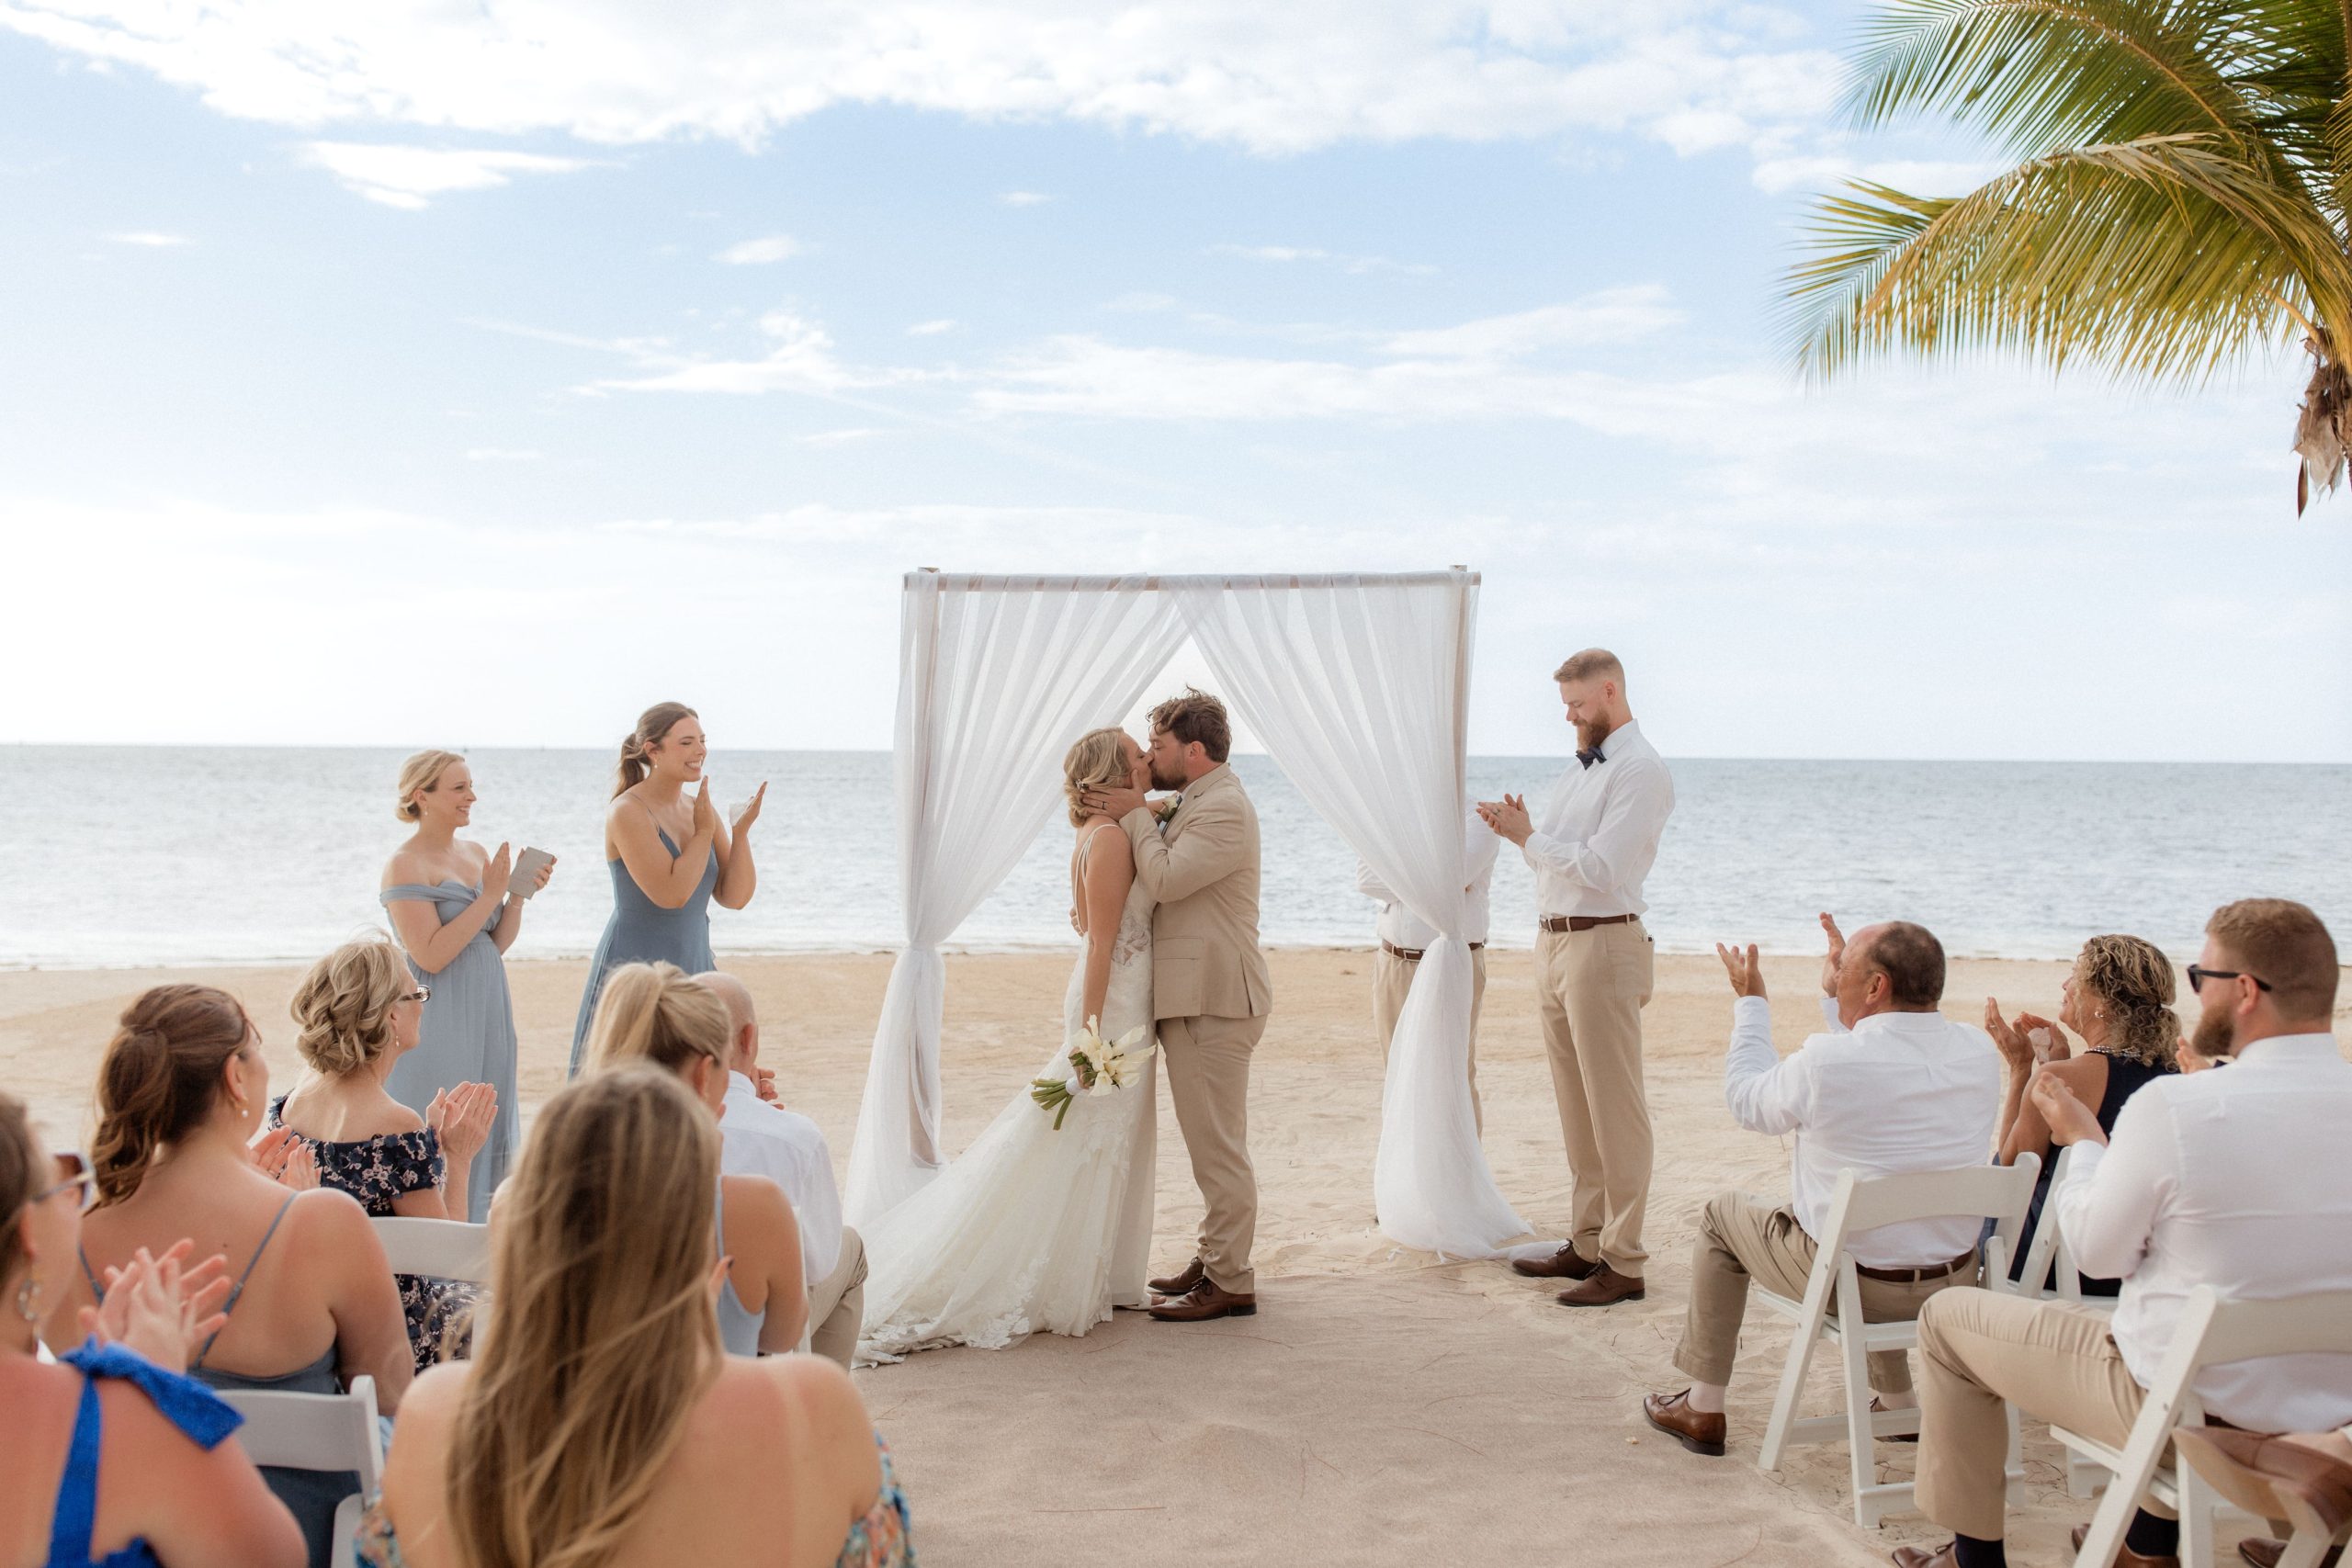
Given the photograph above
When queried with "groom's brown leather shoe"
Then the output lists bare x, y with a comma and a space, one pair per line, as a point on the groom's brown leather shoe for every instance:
1181, 1285
1204, 1301
1603, 1287
1697, 1430
1564, 1264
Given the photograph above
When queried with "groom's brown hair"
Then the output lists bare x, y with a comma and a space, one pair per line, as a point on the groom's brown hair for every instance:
1195, 715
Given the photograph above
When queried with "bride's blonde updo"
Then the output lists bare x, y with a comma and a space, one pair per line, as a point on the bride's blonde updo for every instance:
1097, 760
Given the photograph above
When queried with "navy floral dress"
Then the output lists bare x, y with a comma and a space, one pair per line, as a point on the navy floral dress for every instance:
376, 1172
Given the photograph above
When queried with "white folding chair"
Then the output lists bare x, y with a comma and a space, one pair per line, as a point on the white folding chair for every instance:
2210, 1332
2046, 1252
2000, 1193
317, 1431
444, 1249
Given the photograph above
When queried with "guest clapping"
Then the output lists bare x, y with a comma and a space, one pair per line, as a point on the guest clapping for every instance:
1893, 1087
113, 1457
358, 1014
599, 1420
2118, 999
452, 905
759, 1137
2239, 1179
669, 855
182, 1091
654, 1012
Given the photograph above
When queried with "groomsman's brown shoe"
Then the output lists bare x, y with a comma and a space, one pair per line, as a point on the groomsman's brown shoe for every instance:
1603, 1287
2262, 1552
1564, 1264
1204, 1301
2124, 1556
1944, 1556
1697, 1430
1180, 1284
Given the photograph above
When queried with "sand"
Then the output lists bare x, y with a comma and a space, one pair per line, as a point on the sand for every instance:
1381, 1409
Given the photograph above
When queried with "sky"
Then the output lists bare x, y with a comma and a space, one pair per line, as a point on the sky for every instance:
476, 375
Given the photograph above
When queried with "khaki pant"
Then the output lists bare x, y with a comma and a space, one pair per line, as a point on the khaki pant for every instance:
1743, 1237
1208, 1078
837, 1303
1591, 987
1979, 1350
1392, 977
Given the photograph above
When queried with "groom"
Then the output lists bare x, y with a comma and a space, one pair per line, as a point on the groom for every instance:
1210, 991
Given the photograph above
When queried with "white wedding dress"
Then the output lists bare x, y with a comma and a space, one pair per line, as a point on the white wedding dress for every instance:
1032, 1229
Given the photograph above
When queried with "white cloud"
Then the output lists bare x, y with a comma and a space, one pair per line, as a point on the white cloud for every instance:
1024, 198
801, 358
1141, 301
1918, 176
502, 455
1612, 315
840, 437
755, 253
1696, 74
930, 329
1282, 253
151, 238
409, 178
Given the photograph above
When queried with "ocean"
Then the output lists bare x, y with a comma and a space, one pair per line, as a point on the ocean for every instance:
144, 855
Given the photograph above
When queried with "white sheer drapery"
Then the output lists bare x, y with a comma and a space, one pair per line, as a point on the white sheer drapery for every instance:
997, 677
1358, 686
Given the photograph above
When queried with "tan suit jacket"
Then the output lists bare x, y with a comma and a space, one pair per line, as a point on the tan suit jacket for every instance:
1203, 872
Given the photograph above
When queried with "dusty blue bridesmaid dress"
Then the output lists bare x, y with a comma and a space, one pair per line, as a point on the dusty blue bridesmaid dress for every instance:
468, 1035
642, 931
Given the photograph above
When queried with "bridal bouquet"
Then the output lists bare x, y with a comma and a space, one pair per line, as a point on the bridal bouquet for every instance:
1096, 1066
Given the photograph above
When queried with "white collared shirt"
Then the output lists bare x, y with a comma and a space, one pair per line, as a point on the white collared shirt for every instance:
2239, 1177
759, 1139
1400, 926
1900, 1092
1598, 832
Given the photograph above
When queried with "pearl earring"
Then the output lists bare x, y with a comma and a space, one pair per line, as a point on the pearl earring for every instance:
28, 1299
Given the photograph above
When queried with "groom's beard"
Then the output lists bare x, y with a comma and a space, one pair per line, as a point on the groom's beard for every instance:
1162, 781
1589, 734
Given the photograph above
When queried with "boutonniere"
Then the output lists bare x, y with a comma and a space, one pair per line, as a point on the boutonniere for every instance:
1162, 811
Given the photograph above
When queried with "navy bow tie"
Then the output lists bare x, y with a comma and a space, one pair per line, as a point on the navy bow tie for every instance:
1590, 758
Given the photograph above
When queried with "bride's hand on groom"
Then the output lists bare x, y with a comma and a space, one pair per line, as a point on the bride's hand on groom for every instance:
1114, 803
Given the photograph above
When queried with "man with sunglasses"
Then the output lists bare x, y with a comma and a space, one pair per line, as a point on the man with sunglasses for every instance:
2241, 1180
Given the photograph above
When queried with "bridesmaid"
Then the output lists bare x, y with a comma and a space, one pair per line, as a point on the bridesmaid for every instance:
669, 855
448, 901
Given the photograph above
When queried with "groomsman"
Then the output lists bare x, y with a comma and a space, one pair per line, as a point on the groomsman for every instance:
1591, 849
1405, 936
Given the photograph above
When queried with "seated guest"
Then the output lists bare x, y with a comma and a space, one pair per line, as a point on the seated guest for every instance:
359, 1011
1894, 1088
759, 1137
2257, 1474
2118, 999
181, 1092
2239, 1179
655, 1012
1405, 936
114, 1457
599, 1420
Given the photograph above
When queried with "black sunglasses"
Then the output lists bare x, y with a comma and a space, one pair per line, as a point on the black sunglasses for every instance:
2197, 977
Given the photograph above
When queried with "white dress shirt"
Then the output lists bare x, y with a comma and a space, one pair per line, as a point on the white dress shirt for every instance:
759, 1139
2239, 1177
1598, 832
1402, 928
1898, 1093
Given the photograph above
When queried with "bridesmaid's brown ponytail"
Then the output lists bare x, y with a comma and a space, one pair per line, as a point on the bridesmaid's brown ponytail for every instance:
159, 1078
653, 726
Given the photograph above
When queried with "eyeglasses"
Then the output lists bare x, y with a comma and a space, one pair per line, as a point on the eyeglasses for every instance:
422, 993
2197, 977
72, 1175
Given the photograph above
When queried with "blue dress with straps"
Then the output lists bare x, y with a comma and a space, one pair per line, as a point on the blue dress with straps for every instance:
642, 931
201, 1414
467, 1034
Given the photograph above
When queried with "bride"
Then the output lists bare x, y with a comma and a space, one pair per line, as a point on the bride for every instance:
1034, 1228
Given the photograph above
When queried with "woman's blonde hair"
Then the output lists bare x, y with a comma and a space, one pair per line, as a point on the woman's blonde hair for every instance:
653, 727
160, 1078
2131, 979
421, 771
603, 1340
655, 1012
342, 1008
1097, 759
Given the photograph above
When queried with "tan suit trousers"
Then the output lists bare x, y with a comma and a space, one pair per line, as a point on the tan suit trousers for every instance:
1980, 1350
837, 1303
1208, 1059
1392, 977
1743, 1237
1590, 989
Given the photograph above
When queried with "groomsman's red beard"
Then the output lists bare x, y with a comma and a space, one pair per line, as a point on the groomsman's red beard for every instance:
1590, 735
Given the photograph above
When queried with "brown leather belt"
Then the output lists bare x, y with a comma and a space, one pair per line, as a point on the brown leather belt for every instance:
1582, 922
1913, 1276
1413, 955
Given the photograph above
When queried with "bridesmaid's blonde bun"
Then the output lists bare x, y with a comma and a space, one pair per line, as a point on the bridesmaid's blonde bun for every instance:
421, 771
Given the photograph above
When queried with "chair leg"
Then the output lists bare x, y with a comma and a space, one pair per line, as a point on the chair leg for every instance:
2199, 1506
1793, 1376
2307, 1540
1861, 1442
2016, 1466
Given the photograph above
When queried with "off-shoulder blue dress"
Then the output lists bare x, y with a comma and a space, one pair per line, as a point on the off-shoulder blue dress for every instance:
466, 1036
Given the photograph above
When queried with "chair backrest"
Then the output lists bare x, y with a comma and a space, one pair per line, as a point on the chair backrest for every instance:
2238, 1330
313, 1431
444, 1249
2049, 1262
2001, 1193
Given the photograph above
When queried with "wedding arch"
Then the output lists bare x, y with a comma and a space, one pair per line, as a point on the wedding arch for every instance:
1358, 685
